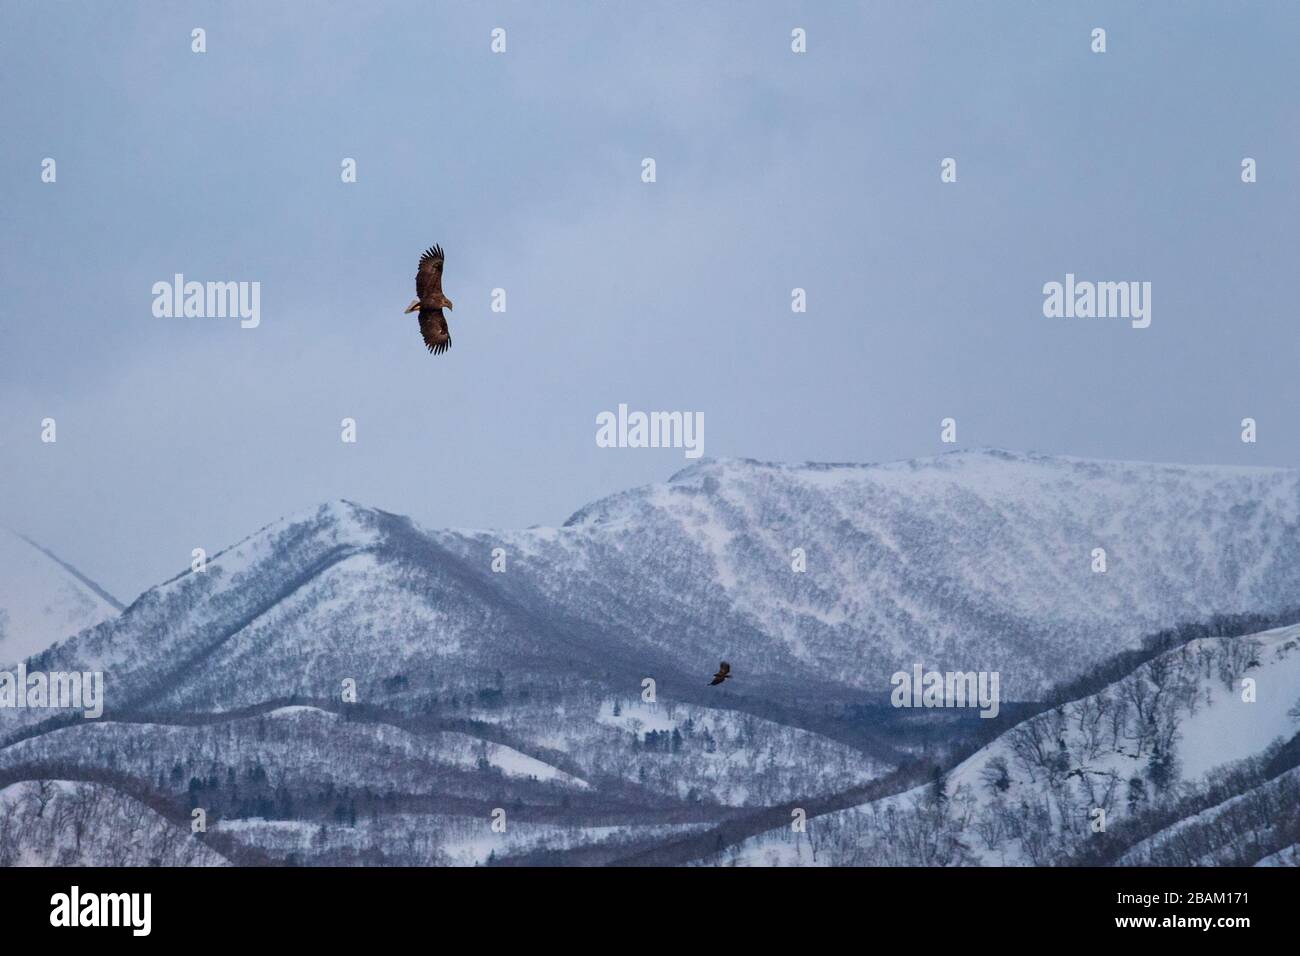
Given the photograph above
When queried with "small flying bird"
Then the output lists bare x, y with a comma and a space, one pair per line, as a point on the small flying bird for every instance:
724, 671
431, 301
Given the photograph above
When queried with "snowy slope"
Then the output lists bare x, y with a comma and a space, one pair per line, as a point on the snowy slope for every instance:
1154, 741
67, 823
1242, 830
971, 561
43, 600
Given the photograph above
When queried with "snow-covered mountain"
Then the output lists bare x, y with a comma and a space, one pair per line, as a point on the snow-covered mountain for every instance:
516, 669
42, 599
969, 561
976, 560
1190, 759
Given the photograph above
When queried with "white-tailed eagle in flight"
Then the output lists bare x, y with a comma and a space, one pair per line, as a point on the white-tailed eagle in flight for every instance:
431, 301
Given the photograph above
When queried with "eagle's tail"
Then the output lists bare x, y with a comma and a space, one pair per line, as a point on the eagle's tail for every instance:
413, 307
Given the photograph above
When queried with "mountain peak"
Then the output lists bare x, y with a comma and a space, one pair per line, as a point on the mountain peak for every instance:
343, 516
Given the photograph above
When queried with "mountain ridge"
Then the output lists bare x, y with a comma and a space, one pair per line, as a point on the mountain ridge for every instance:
43, 598
897, 552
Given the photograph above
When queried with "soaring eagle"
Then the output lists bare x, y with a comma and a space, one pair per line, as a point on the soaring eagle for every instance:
724, 671
431, 301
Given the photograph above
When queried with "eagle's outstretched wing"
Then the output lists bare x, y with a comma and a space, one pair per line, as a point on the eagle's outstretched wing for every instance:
433, 328
428, 278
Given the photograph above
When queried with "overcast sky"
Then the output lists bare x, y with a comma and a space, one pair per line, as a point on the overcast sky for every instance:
774, 171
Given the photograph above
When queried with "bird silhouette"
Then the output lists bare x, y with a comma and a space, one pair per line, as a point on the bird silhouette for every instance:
724, 671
